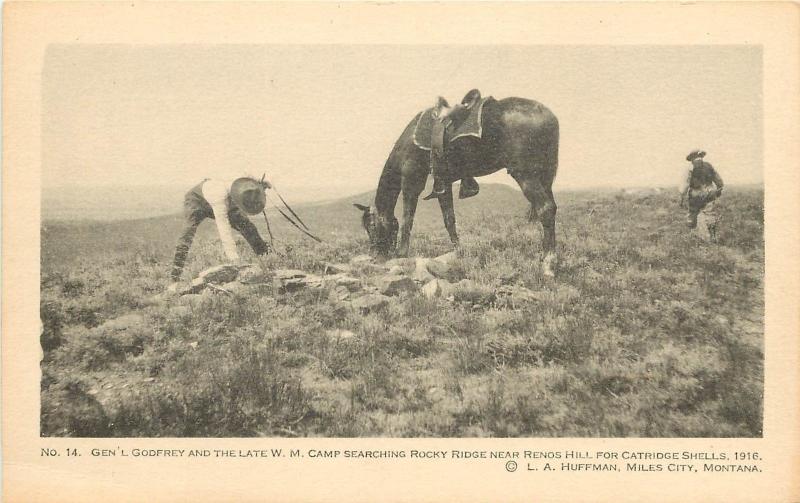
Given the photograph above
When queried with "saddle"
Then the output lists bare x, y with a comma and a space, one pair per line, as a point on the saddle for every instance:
471, 126
433, 135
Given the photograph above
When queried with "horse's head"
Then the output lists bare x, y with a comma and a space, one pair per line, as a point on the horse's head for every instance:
458, 112
382, 231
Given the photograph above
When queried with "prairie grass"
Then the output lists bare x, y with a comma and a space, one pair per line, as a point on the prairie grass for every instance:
645, 332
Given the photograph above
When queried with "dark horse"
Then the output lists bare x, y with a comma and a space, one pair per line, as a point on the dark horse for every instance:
520, 135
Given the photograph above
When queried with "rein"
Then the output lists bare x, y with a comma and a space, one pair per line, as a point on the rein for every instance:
299, 225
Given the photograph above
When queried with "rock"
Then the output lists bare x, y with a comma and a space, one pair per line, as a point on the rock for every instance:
469, 291
407, 264
447, 258
370, 303
196, 286
291, 285
313, 281
438, 269
341, 334
395, 284
339, 293
432, 289
466, 284
397, 270
514, 295
421, 272
193, 345
284, 274
371, 289
252, 274
446, 287
234, 287
331, 268
220, 274
349, 282
124, 322
292, 280
361, 259
371, 268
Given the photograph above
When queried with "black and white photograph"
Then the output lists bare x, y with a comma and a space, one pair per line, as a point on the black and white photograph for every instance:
402, 241
401, 251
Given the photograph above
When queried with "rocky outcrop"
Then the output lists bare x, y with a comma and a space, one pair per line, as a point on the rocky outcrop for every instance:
438, 269
370, 303
217, 276
432, 289
406, 264
513, 296
395, 285
336, 268
369, 286
361, 259
220, 274
421, 272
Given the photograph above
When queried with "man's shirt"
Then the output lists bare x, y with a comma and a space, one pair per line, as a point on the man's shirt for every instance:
701, 177
216, 193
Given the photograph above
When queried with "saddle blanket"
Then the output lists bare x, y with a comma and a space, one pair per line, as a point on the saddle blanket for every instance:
470, 127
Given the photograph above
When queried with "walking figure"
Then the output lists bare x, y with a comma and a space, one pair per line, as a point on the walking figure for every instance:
702, 187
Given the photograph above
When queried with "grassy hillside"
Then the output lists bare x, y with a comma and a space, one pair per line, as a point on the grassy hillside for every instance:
644, 332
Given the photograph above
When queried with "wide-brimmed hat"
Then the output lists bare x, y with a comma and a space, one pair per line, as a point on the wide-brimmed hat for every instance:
248, 194
694, 154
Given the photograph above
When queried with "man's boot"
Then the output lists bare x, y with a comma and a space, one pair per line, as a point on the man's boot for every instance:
439, 188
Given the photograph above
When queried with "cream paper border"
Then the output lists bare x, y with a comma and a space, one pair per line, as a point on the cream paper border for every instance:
29, 27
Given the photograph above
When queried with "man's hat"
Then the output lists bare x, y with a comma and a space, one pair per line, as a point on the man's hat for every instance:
694, 154
248, 194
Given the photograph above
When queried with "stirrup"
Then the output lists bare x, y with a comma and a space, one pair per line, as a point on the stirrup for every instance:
433, 195
436, 191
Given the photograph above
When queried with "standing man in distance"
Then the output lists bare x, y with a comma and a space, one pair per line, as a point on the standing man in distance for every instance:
702, 186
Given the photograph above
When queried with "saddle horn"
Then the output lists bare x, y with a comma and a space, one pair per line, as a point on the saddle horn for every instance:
439, 105
471, 98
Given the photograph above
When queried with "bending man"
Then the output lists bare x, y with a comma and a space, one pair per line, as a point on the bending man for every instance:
228, 203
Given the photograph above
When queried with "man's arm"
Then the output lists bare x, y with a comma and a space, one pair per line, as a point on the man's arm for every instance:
718, 182
684, 187
216, 193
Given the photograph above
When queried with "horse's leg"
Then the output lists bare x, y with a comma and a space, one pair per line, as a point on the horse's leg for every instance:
412, 188
532, 216
543, 205
448, 213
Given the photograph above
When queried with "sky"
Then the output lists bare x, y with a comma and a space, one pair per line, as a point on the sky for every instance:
320, 120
